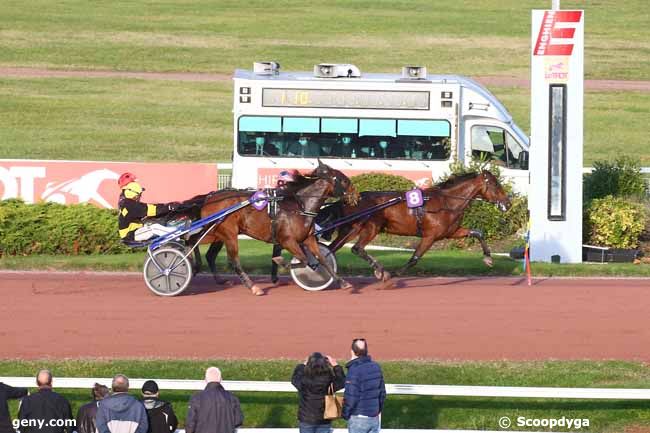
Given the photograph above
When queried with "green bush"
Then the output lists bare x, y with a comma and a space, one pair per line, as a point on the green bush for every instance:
621, 178
614, 222
381, 182
50, 228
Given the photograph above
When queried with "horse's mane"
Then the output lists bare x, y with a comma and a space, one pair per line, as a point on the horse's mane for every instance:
300, 182
455, 179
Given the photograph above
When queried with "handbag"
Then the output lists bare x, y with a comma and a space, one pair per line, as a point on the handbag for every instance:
333, 404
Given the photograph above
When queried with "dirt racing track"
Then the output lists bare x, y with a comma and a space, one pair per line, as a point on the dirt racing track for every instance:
60, 315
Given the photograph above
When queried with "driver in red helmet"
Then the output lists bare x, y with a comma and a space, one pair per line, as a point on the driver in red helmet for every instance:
132, 211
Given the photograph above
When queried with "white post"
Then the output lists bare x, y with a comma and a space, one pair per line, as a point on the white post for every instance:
556, 5
555, 193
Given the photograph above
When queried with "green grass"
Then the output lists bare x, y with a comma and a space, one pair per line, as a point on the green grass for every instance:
279, 409
130, 120
106, 119
255, 258
477, 37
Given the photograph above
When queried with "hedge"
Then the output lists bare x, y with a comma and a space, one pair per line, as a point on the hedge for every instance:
50, 228
620, 178
381, 182
614, 222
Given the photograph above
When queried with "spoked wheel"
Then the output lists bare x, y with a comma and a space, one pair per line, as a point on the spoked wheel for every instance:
167, 272
314, 280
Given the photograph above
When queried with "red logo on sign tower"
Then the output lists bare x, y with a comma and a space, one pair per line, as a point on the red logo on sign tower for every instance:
550, 31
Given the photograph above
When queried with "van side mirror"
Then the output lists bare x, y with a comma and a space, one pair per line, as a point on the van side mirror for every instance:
524, 157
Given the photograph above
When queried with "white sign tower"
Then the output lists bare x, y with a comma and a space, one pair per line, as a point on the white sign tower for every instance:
555, 194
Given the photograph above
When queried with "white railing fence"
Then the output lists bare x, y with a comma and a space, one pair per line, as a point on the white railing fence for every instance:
396, 389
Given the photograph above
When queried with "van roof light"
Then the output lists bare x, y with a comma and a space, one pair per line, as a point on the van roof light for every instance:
266, 68
414, 72
334, 70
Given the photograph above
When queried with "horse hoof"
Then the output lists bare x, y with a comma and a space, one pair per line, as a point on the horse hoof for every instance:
257, 291
346, 286
386, 277
278, 260
387, 285
488, 261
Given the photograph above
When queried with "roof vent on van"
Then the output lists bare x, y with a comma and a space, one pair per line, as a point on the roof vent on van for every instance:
332, 70
414, 73
266, 68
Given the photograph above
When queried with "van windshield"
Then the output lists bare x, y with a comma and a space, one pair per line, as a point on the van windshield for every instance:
412, 139
497, 145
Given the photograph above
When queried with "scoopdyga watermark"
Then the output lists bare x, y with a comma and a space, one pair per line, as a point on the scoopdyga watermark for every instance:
505, 423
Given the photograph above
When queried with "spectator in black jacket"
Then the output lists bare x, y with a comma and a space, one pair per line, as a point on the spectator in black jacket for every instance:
213, 410
162, 418
313, 380
39, 409
8, 392
87, 413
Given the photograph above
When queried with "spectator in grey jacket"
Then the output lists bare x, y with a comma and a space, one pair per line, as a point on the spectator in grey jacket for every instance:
121, 413
213, 410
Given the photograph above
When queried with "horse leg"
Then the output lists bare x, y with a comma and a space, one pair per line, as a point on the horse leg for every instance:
477, 234
211, 258
368, 233
423, 247
312, 244
232, 247
345, 234
277, 252
198, 263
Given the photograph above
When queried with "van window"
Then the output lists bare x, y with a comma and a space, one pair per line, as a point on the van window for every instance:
495, 144
329, 137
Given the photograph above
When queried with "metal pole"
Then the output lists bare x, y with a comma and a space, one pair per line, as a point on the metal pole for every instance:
556, 5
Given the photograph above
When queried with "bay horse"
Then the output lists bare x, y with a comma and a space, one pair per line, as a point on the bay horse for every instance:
440, 217
292, 226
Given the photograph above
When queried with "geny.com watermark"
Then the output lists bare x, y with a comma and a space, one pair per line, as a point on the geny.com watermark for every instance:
41, 423
564, 422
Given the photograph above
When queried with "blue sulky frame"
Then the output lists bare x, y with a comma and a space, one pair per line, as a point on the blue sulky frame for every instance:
210, 222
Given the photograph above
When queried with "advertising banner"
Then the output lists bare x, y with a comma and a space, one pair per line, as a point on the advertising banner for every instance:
70, 182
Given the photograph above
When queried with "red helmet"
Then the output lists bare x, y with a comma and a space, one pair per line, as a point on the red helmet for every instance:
126, 179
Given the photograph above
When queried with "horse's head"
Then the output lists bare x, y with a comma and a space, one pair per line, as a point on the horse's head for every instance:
492, 191
341, 185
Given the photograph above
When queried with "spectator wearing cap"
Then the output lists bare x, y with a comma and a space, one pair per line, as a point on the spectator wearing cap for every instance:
213, 410
8, 393
43, 406
162, 418
87, 413
120, 412
365, 391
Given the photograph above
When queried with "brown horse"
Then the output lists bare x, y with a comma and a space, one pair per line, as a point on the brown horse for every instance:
439, 218
291, 227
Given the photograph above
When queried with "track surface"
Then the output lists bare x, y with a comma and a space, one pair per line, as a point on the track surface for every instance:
110, 315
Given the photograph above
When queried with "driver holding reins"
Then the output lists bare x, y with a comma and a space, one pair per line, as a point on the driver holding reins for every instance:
132, 211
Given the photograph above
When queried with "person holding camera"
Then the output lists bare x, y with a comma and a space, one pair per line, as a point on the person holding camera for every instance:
313, 380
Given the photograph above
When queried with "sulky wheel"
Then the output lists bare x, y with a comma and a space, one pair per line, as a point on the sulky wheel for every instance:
314, 280
167, 272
